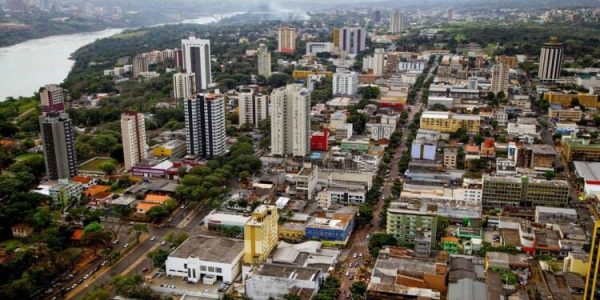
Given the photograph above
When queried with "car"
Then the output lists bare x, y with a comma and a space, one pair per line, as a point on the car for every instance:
354, 255
126, 245
360, 255
131, 223
104, 263
163, 243
347, 273
153, 238
115, 242
86, 276
144, 270
183, 207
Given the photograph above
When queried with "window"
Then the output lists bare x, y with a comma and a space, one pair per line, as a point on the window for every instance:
219, 270
202, 268
185, 266
211, 269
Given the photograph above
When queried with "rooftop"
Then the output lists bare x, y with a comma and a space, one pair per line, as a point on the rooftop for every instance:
212, 249
288, 272
588, 170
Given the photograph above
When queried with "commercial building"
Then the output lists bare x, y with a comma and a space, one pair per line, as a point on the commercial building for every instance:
380, 131
499, 192
352, 40
500, 78
184, 85
590, 172
253, 108
555, 215
205, 125
171, 149
133, 133
424, 145
334, 230
558, 114
404, 221
59, 145
450, 155
196, 60
550, 60
290, 121
276, 281
305, 74
206, 259
221, 221
448, 122
140, 65
314, 48
319, 141
260, 234
63, 192
355, 195
263, 57
53, 99
580, 150
412, 65
565, 99
306, 182
345, 83
592, 281
286, 39
447, 102
396, 21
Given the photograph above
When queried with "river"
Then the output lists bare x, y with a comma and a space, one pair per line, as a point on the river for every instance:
27, 66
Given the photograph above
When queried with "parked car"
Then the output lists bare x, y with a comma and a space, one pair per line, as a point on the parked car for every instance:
126, 245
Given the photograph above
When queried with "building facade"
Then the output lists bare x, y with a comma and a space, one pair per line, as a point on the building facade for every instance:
396, 21
205, 125
286, 39
53, 99
184, 85
352, 40
290, 121
499, 192
197, 60
140, 65
592, 281
449, 122
550, 60
59, 145
252, 108
500, 78
345, 83
263, 57
133, 133
314, 48
260, 234
404, 224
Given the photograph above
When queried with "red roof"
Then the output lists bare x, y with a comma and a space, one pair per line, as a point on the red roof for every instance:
77, 234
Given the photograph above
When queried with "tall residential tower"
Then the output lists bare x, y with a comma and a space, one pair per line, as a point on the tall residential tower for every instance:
396, 21
184, 85
550, 60
133, 132
59, 145
205, 125
196, 59
286, 39
290, 121
264, 61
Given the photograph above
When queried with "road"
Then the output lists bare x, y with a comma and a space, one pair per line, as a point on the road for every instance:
349, 263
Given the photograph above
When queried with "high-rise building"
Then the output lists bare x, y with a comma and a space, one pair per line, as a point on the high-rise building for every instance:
592, 281
405, 221
264, 61
196, 59
377, 16
53, 99
345, 83
286, 39
396, 21
59, 145
378, 61
550, 60
140, 64
260, 234
205, 125
352, 40
133, 133
252, 108
500, 78
500, 192
184, 85
290, 120
336, 37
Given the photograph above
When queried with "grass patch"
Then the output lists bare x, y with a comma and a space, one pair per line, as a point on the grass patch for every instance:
129, 35
11, 245
26, 156
94, 164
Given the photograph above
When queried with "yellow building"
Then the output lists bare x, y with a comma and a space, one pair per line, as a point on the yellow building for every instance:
580, 151
303, 74
443, 121
260, 234
291, 232
171, 148
592, 282
587, 100
336, 37
577, 263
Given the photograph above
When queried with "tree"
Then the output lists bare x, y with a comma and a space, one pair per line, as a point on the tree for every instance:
138, 229
93, 227
379, 240
291, 297
358, 290
108, 167
442, 224
158, 256
278, 80
550, 175
478, 139
96, 239
97, 293
157, 213
365, 215
439, 107
42, 217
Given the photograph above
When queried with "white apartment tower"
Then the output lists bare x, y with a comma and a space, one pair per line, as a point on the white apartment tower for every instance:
286, 39
500, 78
290, 121
264, 61
396, 21
205, 125
133, 132
345, 83
184, 85
140, 65
378, 61
252, 108
196, 59
550, 60
352, 40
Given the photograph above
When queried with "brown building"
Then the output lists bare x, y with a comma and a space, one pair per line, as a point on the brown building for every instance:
581, 151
